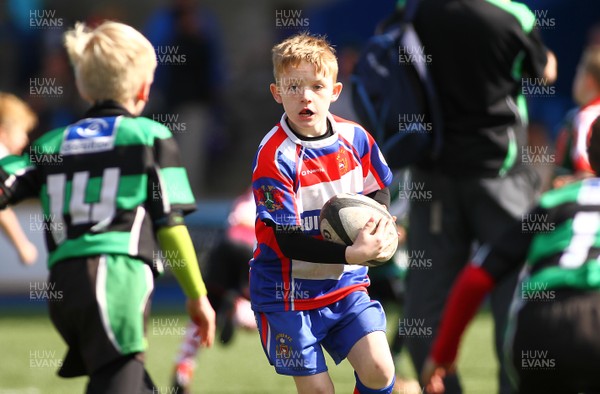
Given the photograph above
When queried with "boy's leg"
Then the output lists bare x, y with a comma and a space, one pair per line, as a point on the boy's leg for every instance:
103, 310
438, 235
356, 330
553, 346
185, 361
123, 376
291, 341
501, 201
372, 360
314, 384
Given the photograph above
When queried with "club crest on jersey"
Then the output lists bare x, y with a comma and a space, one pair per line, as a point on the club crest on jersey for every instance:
343, 162
283, 348
270, 198
90, 135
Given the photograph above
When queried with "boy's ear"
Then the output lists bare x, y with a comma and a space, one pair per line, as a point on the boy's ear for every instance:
337, 89
144, 92
275, 91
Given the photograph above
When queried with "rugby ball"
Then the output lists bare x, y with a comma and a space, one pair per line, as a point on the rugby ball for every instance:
344, 215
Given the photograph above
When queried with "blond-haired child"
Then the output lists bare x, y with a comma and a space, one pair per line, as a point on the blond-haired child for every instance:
110, 185
309, 294
16, 121
573, 140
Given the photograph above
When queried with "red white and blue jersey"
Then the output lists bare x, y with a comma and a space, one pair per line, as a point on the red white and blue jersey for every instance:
582, 130
292, 179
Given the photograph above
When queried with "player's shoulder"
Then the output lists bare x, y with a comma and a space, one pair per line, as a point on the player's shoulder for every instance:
147, 127
274, 140
588, 113
342, 121
352, 131
587, 190
125, 130
519, 11
345, 125
276, 152
50, 140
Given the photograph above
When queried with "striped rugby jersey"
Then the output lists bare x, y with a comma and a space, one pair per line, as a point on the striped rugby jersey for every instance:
574, 139
103, 183
292, 179
559, 240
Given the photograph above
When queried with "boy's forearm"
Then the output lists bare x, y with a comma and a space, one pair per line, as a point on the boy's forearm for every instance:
177, 243
10, 224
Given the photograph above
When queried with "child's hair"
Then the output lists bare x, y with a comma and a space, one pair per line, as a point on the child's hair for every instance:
15, 114
111, 61
590, 62
305, 47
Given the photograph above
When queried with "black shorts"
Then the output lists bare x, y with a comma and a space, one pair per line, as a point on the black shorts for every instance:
556, 344
102, 310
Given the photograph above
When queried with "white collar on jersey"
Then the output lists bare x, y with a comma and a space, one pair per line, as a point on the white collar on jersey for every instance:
314, 144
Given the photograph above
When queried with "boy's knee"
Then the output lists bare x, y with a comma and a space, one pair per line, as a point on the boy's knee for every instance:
371, 359
377, 375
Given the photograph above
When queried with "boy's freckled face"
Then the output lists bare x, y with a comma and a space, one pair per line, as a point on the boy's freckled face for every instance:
306, 98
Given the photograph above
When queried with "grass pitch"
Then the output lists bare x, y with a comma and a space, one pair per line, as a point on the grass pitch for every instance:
31, 351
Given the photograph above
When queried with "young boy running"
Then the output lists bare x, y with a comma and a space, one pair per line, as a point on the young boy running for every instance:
16, 121
571, 147
110, 185
307, 293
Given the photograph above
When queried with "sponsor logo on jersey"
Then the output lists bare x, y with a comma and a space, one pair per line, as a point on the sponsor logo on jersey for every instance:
313, 171
89, 136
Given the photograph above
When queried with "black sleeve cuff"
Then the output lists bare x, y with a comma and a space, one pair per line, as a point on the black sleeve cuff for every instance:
299, 246
382, 196
175, 218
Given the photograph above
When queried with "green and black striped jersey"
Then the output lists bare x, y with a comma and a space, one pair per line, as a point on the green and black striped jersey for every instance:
104, 184
559, 240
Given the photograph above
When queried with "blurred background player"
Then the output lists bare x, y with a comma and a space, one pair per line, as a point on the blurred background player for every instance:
226, 278
480, 52
227, 270
571, 149
307, 293
110, 185
552, 343
16, 121
189, 84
